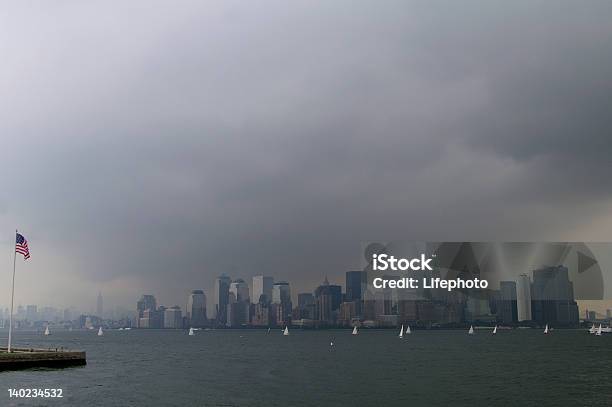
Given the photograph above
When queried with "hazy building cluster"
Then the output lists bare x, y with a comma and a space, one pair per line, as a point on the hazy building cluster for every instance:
32, 316
545, 297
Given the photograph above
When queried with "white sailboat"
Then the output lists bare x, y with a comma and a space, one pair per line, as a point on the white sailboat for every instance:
546, 330
401, 333
100, 333
286, 331
47, 333
471, 331
592, 330
598, 333
268, 331
408, 331
191, 332
355, 332
495, 330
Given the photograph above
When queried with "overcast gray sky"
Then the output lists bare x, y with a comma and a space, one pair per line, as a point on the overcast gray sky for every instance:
150, 146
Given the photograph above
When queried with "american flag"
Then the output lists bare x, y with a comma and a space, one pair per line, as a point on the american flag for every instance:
21, 246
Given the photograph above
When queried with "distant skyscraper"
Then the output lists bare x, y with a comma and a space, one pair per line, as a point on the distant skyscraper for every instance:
306, 306
147, 312
173, 318
507, 307
221, 298
240, 289
99, 305
238, 310
324, 297
262, 285
523, 298
196, 308
356, 282
553, 297
281, 296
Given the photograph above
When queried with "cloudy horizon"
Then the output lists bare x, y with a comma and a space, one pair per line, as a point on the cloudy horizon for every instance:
151, 146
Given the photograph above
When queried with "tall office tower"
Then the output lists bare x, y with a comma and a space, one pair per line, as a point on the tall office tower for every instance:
507, 306
336, 294
306, 306
523, 298
325, 297
196, 309
221, 298
281, 296
262, 285
553, 297
173, 318
239, 303
99, 305
148, 304
240, 289
356, 282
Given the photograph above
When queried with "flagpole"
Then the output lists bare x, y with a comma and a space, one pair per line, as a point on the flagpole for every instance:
12, 298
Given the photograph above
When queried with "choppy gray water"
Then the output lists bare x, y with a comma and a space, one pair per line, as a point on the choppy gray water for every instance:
375, 368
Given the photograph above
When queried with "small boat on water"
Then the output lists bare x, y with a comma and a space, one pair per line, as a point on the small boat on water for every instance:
401, 332
546, 330
268, 331
495, 330
286, 331
598, 333
592, 330
355, 332
471, 331
191, 332
408, 331
100, 332
47, 333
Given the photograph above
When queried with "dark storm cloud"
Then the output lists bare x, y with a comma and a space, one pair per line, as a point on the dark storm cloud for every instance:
169, 144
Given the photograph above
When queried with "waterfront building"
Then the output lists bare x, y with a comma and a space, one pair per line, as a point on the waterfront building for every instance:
262, 285
146, 303
196, 309
507, 304
553, 297
221, 299
281, 296
523, 298
173, 318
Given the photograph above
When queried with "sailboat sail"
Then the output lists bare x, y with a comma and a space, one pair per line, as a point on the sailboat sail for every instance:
598, 333
592, 330
286, 331
401, 332
355, 332
471, 331
546, 329
100, 333
191, 332
408, 331
47, 333
495, 330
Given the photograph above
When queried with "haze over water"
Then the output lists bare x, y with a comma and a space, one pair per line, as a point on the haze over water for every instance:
252, 368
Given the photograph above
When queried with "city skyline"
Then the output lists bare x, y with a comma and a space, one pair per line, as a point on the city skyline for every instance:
233, 138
